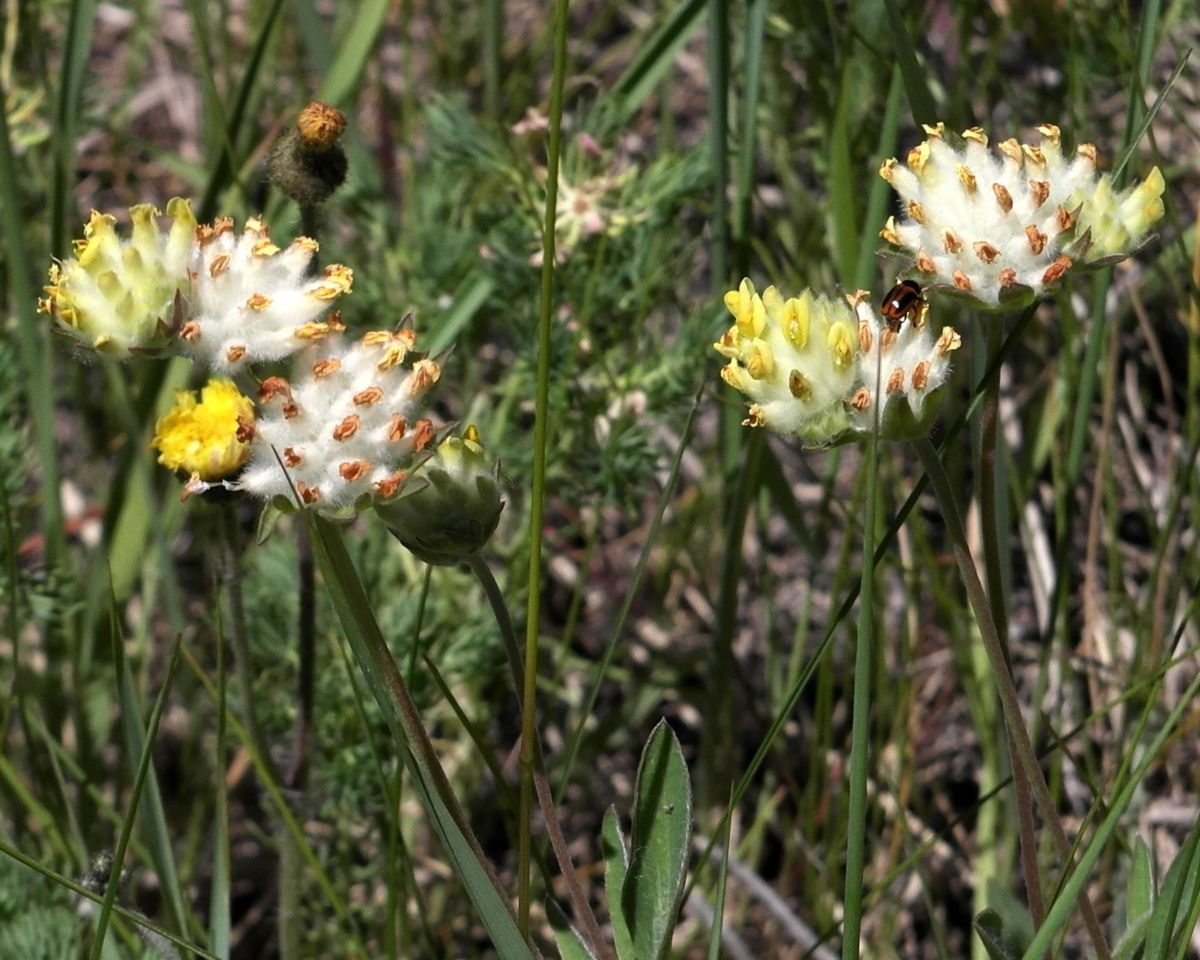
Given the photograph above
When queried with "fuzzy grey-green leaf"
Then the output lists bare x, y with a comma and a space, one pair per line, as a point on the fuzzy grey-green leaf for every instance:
662, 826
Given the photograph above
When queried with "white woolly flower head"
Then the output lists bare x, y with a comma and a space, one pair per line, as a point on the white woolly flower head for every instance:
117, 296
348, 429
814, 367
903, 363
1007, 225
251, 301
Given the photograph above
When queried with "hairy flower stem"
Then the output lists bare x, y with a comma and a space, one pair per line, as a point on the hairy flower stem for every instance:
579, 901
989, 511
1020, 744
537, 500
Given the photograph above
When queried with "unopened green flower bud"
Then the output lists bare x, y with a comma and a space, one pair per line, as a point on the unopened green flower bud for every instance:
308, 163
457, 510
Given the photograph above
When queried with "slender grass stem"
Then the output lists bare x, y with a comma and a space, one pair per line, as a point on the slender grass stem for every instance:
538, 491
991, 512
860, 736
579, 900
1018, 734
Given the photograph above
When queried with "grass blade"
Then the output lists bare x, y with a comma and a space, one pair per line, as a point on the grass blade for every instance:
920, 100
352, 56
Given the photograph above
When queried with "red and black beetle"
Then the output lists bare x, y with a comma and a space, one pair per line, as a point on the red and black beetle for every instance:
903, 300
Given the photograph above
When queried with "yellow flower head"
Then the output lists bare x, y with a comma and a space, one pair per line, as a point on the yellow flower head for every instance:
820, 369
209, 438
119, 296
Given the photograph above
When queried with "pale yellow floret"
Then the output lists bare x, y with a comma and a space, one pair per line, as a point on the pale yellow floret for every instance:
841, 344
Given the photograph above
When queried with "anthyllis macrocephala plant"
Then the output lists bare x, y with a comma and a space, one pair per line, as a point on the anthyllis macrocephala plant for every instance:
226, 299
1004, 228
821, 368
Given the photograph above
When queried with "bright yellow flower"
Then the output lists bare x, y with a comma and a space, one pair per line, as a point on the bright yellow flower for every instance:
209, 438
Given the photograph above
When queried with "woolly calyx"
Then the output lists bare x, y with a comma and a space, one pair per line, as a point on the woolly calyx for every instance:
905, 366
252, 301
122, 297
1004, 227
208, 438
347, 431
455, 513
817, 368
308, 163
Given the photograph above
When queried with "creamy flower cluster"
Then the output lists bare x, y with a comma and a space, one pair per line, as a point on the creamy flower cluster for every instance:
817, 368
345, 431
122, 297
226, 299
338, 436
1008, 225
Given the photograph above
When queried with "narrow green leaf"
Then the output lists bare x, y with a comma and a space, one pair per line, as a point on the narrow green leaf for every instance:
131, 916
880, 192
224, 170
375, 660
845, 179
1164, 919
1129, 944
1065, 903
652, 61
662, 828
31, 339
77, 48
903, 49
1127, 153
470, 297
616, 865
1139, 895
570, 944
352, 55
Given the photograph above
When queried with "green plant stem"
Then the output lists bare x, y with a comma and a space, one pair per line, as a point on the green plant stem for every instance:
33, 349
579, 900
231, 582
290, 869
990, 520
1018, 734
538, 492
860, 739
306, 648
